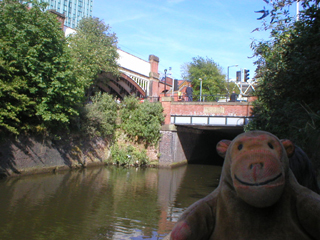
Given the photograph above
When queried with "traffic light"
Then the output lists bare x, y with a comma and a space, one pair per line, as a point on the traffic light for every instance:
246, 75
238, 76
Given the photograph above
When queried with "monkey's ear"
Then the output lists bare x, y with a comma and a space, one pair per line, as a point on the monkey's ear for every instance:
222, 147
289, 146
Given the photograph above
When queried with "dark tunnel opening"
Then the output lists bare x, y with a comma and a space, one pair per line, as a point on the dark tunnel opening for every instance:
199, 144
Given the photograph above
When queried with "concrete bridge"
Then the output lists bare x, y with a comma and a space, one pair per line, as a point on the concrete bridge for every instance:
192, 130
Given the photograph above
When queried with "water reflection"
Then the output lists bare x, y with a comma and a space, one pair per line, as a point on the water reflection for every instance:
101, 203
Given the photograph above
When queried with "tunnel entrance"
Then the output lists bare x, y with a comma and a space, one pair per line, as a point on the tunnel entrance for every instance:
199, 143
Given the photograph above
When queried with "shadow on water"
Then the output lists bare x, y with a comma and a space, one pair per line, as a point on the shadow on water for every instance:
101, 203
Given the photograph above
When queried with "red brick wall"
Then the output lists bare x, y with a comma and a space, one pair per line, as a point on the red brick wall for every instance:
167, 111
206, 109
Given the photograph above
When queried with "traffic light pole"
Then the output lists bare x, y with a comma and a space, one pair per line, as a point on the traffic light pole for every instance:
246, 75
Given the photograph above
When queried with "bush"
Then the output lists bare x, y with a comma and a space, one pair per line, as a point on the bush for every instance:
142, 121
128, 155
98, 118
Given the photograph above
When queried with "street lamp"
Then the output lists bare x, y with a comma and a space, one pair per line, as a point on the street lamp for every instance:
297, 17
228, 75
200, 79
165, 82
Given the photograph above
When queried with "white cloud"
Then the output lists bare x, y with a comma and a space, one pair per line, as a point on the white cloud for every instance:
127, 18
175, 1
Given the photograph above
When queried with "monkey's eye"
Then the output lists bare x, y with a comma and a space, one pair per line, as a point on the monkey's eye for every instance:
240, 146
270, 145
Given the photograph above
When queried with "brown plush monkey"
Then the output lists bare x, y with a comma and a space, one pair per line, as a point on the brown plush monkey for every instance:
258, 196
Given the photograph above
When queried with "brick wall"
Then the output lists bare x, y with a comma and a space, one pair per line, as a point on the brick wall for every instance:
206, 109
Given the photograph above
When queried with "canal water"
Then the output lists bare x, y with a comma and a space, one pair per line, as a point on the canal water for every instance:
101, 203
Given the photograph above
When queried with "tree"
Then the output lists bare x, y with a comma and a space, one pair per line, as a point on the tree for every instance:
37, 87
288, 69
94, 50
213, 81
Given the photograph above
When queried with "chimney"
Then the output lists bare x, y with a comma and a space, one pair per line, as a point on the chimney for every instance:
154, 65
60, 17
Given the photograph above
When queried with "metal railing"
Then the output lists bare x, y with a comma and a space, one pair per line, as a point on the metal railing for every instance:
210, 120
196, 98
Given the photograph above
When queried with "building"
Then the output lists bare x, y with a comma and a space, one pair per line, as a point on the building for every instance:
74, 10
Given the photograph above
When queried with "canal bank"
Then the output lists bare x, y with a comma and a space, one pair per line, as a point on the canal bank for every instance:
30, 154
179, 145
38, 154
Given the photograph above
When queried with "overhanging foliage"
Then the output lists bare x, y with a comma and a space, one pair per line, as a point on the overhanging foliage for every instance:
37, 85
288, 69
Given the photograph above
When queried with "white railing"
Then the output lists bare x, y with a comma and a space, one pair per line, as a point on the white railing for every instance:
209, 120
143, 82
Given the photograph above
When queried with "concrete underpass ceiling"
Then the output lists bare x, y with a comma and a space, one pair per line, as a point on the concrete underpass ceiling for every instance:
214, 128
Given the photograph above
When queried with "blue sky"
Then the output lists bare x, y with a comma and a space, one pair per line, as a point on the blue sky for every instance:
178, 30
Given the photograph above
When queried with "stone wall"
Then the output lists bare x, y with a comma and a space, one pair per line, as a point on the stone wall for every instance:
166, 144
26, 155
176, 147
